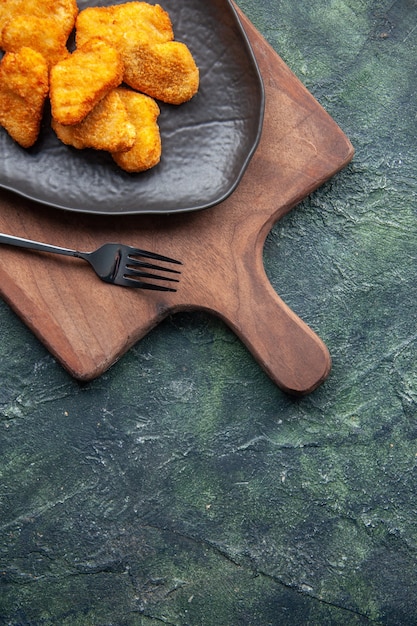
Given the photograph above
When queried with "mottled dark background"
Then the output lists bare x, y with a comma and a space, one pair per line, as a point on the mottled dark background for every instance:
183, 487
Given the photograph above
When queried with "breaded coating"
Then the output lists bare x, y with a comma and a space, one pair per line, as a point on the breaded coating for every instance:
38, 33
146, 151
165, 71
81, 81
124, 24
154, 63
8, 8
23, 90
62, 12
107, 127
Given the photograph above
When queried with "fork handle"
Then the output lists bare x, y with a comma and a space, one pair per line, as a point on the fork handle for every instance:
20, 242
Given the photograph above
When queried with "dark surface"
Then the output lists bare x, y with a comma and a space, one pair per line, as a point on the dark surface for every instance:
183, 487
206, 142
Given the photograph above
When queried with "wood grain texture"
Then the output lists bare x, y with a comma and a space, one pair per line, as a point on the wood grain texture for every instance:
88, 325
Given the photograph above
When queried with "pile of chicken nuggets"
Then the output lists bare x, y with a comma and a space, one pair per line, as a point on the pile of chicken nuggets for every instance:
104, 94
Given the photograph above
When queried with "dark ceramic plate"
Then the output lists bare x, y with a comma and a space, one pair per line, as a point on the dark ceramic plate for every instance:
206, 143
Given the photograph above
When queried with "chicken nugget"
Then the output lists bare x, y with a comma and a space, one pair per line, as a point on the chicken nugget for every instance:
81, 81
165, 71
107, 127
146, 151
38, 33
62, 12
143, 34
124, 24
23, 90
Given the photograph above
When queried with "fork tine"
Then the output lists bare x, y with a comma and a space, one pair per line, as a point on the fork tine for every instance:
152, 255
134, 272
150, 266
133, 282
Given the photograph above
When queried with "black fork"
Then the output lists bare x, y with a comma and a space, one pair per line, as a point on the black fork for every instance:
115, 263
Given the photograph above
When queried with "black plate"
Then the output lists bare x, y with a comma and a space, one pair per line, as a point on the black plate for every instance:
206, 143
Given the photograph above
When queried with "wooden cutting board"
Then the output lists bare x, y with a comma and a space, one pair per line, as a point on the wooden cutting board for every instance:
88, 325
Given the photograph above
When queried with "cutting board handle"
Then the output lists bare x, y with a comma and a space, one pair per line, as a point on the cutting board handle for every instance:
287, 349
